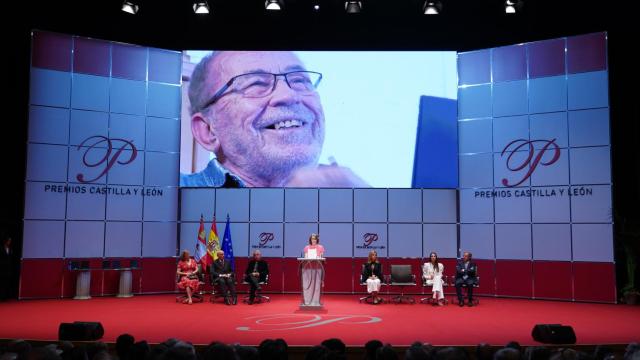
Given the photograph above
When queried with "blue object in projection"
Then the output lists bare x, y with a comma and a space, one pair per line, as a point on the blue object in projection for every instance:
436, 157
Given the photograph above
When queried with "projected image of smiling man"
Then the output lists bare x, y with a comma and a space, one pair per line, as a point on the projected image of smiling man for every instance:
261, 115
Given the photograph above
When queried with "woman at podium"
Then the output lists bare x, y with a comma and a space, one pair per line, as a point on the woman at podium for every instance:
314, 250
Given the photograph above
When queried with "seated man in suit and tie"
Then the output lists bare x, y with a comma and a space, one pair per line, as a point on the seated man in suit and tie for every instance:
222, 274
466, 276
257, 271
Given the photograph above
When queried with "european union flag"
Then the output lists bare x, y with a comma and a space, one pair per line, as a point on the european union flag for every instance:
227, 246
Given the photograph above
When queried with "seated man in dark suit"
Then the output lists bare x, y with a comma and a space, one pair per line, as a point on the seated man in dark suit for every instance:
465, 276
257, 271
222, 274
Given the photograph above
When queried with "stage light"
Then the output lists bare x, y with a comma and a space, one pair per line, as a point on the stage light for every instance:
130, 7
513, 6
353, 7
201, 7
273, 5
431, 7
316, 7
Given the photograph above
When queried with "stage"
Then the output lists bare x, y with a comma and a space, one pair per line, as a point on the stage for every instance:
157, 317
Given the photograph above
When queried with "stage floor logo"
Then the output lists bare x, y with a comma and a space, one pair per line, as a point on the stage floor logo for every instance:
277, 322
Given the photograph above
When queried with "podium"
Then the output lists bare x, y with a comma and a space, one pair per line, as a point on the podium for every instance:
312, 278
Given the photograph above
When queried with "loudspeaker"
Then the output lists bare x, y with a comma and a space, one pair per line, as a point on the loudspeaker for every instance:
80, 331
553, 334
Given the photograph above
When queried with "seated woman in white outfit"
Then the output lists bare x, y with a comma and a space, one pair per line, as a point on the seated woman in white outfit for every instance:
432, 274
372, 275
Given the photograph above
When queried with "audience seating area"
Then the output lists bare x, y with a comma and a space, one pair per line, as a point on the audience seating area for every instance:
129, 348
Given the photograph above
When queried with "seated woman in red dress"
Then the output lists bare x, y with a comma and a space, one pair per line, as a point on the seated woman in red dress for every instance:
188, 275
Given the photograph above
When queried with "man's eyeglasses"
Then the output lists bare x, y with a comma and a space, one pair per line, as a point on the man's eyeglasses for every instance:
260, 84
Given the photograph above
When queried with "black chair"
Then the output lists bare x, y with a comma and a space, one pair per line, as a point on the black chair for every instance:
475, 286
430, 299
259, 297
363, 282
401, 275
195, 296
216, 293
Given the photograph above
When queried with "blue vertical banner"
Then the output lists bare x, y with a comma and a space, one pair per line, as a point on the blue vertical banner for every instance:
435, 163
227, 246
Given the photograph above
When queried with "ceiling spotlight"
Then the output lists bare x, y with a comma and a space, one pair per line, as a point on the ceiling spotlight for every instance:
130, 7
316, 7
513, 6
353, 7
431, 7
272, 5
200, 7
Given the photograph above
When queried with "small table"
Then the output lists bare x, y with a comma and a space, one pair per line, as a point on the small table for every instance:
83, 279
126, 275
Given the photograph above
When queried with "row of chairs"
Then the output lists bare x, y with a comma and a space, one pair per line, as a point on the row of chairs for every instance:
403, 276
216, 294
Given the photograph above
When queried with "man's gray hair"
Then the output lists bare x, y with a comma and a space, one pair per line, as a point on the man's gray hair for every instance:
198, 94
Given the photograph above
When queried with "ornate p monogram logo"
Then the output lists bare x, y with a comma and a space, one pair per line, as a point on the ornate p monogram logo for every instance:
265, 237
533, 159
111, 154
369, 238
301, 321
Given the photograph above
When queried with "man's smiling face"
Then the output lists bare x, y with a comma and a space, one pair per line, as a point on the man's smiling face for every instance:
270, 136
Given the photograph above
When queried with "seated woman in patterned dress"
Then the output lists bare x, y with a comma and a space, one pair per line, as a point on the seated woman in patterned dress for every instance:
188, 275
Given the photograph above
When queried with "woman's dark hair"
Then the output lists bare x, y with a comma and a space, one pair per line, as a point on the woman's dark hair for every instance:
436, 268
316, 236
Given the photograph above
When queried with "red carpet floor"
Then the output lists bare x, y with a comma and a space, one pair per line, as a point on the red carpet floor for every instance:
158, 317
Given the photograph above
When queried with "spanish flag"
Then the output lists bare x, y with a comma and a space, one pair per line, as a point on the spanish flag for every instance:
213, 244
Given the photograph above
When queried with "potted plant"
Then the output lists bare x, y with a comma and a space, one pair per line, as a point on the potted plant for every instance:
630, 234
